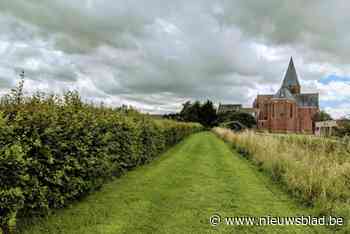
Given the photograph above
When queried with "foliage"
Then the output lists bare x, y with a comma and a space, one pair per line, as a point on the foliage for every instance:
344, 128
321, 116
208, 114
233, 125
244, 118
173, 116
55, 150
202, 113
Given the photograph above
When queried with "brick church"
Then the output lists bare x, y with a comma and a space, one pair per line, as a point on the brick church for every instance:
289, 110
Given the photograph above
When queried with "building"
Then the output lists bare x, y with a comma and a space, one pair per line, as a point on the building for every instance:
325, 128
288, 110
224, 108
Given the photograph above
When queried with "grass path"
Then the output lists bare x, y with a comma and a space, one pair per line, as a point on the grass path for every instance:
177, 193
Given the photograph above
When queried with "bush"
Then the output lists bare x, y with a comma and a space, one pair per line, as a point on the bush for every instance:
245, 119
344, 129
11, 178
55, 150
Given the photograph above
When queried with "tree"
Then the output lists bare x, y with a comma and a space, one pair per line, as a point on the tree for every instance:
244, 118
208, 114
321, 116
186, 109
173, 116
344, 127
17, 93
201, 113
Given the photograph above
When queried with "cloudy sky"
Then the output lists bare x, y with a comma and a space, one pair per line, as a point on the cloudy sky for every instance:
156, 54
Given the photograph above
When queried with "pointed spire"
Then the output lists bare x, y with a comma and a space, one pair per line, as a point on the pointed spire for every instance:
291, 77
290, 80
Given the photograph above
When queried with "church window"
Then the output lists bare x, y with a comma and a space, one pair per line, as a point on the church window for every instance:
265, 111
291, 111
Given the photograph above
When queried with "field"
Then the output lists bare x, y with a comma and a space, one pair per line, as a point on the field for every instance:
177, 193
70, 167
316, 171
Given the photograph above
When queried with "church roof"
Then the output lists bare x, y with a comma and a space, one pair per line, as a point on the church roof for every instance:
291, 77
284, 93
307, 99
302, 100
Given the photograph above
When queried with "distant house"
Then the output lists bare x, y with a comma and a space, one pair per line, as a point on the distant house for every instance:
288, 110
252, 111
331, 127
224, 108
325, 128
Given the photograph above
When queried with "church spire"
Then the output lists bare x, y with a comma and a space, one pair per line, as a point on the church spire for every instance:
290, 80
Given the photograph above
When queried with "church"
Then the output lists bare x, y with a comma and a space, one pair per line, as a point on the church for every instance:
288, 110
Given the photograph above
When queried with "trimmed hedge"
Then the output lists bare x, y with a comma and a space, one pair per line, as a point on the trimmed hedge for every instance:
55, 150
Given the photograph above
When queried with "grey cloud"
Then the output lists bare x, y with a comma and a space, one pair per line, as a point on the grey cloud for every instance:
317, 25
79, 26
144, 52
5, 82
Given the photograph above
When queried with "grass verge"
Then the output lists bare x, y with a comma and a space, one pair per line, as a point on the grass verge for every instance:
315, 171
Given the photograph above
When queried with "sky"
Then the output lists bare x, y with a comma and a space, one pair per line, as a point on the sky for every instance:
157, 54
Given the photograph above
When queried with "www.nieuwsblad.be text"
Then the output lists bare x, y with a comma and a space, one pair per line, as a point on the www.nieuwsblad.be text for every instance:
217, 219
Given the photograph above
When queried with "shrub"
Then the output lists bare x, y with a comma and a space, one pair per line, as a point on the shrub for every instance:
245, 119
55, 150
11, 178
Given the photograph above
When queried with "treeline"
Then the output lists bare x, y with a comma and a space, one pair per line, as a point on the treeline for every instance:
54, 150
206, 114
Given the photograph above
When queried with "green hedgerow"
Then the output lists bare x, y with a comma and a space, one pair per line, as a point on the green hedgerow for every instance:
54, 150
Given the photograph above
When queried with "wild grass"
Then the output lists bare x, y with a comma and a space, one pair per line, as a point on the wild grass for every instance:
314, 170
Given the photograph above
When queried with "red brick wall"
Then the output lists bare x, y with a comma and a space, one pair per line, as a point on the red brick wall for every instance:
275, 116
305, 115
262, 102
284, 118
282, 121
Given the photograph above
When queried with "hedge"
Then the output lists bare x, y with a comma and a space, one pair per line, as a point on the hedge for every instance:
55, 150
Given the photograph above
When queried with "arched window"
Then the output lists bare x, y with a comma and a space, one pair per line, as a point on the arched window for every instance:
273, 110
291, 111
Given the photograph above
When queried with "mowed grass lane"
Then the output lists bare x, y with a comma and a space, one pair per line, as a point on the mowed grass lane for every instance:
177, 193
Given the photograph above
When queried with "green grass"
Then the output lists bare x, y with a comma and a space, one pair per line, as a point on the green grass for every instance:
177, 193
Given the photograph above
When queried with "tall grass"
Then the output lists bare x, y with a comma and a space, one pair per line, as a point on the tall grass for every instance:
314, 170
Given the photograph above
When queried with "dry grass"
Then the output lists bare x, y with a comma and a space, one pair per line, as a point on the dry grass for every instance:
314, 170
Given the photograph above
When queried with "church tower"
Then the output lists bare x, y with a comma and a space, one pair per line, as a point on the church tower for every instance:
290, 80
288, 110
